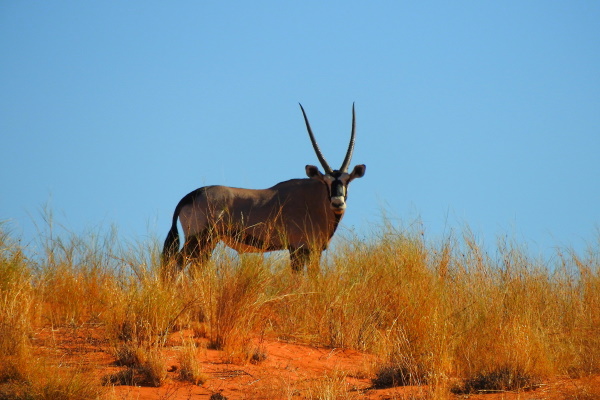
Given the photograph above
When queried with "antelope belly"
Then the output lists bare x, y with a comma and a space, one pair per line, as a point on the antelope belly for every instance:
242, 247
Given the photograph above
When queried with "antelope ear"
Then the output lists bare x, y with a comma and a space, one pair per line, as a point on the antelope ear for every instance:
358, 171
313, 172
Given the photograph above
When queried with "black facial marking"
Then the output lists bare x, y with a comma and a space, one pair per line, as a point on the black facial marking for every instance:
337, 189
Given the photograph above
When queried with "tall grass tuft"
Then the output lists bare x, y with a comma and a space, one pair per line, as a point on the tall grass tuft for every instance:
17, 300
234, 303
190, 369
17, 317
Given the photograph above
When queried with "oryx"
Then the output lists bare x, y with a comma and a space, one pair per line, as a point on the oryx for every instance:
299, 215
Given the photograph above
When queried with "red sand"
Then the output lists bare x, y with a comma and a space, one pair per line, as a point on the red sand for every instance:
289, 371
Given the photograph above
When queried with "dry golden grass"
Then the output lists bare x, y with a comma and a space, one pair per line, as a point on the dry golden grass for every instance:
190, 369
333, 386
446, 313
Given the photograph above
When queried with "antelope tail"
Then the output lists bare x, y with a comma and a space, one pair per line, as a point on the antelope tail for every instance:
171, 246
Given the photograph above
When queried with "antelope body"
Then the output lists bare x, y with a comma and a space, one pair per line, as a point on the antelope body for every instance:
299, 215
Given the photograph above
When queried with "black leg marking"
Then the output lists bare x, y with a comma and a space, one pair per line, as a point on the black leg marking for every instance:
171, 267
198, 249
299, 258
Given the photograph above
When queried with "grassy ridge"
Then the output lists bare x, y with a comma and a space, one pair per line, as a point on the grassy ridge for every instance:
444, 313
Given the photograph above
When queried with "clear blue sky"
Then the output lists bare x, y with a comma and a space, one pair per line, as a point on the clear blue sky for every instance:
484, 114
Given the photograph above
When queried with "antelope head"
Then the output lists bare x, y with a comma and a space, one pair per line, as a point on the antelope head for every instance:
336, 180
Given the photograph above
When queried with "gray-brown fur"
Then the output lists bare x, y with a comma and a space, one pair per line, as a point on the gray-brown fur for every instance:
299, 215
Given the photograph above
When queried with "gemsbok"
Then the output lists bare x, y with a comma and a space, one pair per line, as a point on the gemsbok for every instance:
299, 215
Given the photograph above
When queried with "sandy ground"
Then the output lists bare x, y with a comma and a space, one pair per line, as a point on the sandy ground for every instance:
289, 371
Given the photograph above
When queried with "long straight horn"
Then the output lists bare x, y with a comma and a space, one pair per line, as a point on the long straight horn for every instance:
346, 163
322, 160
